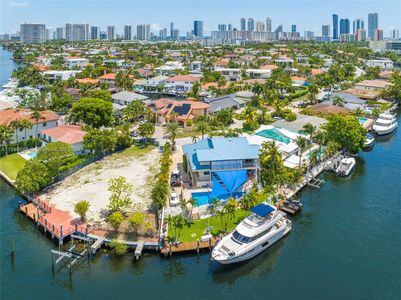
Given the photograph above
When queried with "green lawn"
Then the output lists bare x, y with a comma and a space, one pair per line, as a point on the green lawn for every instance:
133, 151
11, 164
197, 228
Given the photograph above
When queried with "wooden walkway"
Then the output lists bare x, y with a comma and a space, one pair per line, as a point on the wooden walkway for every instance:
187, 246
30, 210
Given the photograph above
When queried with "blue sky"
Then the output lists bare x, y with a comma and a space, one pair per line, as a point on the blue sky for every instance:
306, 14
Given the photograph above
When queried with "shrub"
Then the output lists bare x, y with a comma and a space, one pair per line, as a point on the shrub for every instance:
253, 125
136, 220
115, 220
81, 208
118, 247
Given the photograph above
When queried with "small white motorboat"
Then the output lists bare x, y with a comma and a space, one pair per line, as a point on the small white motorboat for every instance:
346, 166
369, 141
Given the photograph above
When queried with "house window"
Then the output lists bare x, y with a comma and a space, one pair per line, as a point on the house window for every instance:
21, 129
44, 124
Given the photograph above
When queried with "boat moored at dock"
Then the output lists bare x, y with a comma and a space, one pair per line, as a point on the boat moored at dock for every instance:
346, 166
385, 124
255, 234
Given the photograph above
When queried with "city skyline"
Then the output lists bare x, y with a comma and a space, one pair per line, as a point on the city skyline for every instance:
184, 15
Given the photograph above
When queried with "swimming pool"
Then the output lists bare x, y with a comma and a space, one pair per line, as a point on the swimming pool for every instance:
318, 154
274, 134
362, 120
27, 155
202, 198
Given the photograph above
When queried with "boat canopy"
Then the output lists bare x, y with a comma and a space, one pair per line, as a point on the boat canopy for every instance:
262, 210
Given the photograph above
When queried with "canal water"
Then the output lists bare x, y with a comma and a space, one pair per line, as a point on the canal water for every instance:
346, 244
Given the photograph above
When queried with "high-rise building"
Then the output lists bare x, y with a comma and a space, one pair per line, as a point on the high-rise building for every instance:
198, 28
357, 24
176, 34
163, 33
103, 35
335, 27
230, 27
143, 32
293, 28
361, 35
277, 32
32, 33
127, 32
95, 33
222, 27
309, 35
260, 26
50, 34
243, 24
395, 34
344, 26
373, 24
111, 32
378, 35
268, 24
251, 24
76, 32
172, 30
325, 31
60, 33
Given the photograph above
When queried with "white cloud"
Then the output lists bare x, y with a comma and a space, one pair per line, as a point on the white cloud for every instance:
18, 4
155, 27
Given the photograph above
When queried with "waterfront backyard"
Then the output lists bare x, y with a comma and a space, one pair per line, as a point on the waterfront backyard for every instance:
11, 164
136, 164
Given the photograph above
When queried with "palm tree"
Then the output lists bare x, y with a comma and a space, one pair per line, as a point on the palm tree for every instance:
313, 91
146, 130
338, 101
202, 126
357, 112
36, 115
192, 202
26, 124
6, 134
302, 144
171, 130
16, 126
309, 129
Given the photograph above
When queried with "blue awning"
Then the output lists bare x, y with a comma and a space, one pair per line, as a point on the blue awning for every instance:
262, 210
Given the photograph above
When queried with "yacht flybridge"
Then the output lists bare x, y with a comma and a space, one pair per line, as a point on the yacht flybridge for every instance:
256, 233
385, 124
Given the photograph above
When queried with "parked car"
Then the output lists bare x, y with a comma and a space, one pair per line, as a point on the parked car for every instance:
174, 201
135, 133
175, 178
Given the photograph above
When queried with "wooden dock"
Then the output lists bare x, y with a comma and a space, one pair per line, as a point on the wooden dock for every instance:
30, 210
138, 250
168, 249
97, 244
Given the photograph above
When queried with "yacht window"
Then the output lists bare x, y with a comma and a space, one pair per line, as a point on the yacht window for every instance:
261, 234
241, 238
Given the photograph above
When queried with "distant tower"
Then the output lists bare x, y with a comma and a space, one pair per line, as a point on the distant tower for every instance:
335, 27
373, 24
251, 24
268, 24
293, 28
243, 24
198, 28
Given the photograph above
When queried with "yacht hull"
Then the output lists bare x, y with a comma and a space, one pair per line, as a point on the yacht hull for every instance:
386, 131
261, 247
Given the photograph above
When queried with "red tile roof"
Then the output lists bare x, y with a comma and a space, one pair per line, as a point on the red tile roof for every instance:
9, 115
87, 80
70, 134
110, 76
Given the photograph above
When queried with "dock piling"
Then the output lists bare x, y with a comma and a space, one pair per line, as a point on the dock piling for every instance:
12, 247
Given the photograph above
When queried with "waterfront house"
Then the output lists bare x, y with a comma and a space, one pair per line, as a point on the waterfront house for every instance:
170, 68
231, 101
122, 99
69, 134
221, 63
47, 119
109, 78
259, 73
214, 159
52, 75
180, 83
372, 84
76, 62
381, 63
230, 74
183, 112
155, 82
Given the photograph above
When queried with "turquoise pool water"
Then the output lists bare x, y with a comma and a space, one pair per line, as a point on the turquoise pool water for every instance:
319, 153
362, 120
32, 153
202, 198
274, 134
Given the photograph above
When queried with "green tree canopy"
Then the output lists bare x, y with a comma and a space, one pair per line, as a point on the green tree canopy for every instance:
346, 131
54, 155
93, 112
33, 177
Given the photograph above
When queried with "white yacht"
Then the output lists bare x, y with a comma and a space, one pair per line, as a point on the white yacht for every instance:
256, 233
369, 141
346, 166
385, 124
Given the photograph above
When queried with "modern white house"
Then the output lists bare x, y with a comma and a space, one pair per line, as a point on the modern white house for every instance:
77, 62
230, 74
62, 75
259, 73
195, 67
381, 63
156, 81
169, 68
372, 84
180, 83
47, 119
